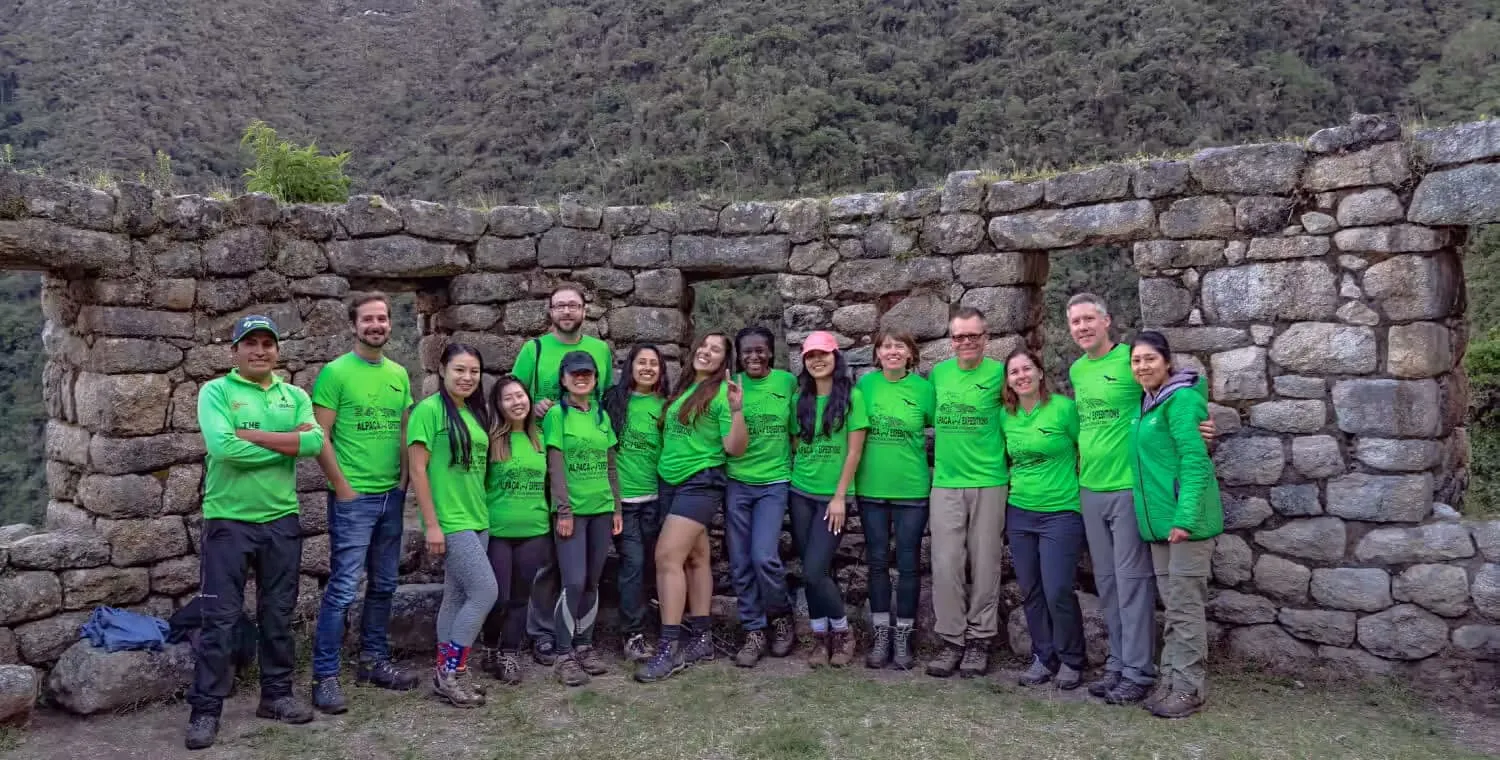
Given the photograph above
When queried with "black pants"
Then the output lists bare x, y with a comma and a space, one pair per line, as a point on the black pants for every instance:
229, 550
516, 562
817, 546
1045, 548
636, 546
580, 562
883, 520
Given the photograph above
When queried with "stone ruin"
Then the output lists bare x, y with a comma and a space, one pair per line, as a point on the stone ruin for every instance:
1319, 285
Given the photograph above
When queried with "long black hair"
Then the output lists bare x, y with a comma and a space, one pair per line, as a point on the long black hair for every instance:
564, 398
460, 445
835, 411
617, 398
752, 331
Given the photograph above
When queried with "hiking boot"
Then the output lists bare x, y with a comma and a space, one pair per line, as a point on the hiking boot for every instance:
1102, 687
817, 657
752, 650
328, 697
468, 681
843, 646
544, 653
201, 732
783, 636
385, 675
489, 663
569, 672
902, 658
946, 661
665, 663
1068, 679
447, 686
1177, 704
880, 648
588, 658
508, 668
636, 649
1125, 693
976, 659
287, 709
699, 648
1037, 674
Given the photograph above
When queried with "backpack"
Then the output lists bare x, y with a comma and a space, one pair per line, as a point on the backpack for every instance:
187, 625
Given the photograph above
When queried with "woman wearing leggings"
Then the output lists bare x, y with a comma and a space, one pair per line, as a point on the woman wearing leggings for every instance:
893, 484
1044, 519
634, 405
586, 499
447, 448
520, 524
703, 423
830, 437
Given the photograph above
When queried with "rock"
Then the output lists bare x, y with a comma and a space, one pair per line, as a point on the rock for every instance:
1237, 375
1296, 247
1388, 408
883, 239
1383, 164
38, 243
1392, 239
439, 222
1458, 144
140, 542
1380, 498
1325, 348
1350, 588
118, 356
59, 551
1293, 386
1321, 539
368, 216
469, 316
856, 319
1481, 642
28, 596
914, 204
1064, 228
1487, 535
1463, 196
1265, 214
1420, 349
1403, 632
1207, 216
1355, 663
642, 251
924, 315
20, 686
414, 617
1269, 646
1377, 205
746, 218
1321, 626
1289, 416
1249, 169
1226, 419
1204, 339
1361, 131
956, 233
1318, 223
1356, 313
801, 288
624, 220
1088, 186
1486, 591
1006, 310
501, 254
647, 324
42, 641
1296, 501
1163, 302
395, 256
1002, 197
1276, 291
1317, 456
1246, 460
1436, 542
122, 404
1240, 609
811, 258
128, 321
175, 577
1282, 579
1159, 179
571, 247
659, 287
1154, 256
1415, 287
113, 586
180, 496
881, 276
985, 270
89, 680
1243, 513
1442, 589
1232, 560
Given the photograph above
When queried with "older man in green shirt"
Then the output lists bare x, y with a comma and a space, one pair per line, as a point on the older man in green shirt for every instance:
255, 426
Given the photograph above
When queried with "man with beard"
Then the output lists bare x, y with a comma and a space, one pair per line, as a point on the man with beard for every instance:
361, 400
537, 367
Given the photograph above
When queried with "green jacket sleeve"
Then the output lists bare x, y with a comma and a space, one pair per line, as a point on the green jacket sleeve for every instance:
309, 442
218, 431
1184, 411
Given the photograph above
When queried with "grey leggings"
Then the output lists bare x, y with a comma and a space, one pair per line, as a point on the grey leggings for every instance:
469, 589
580, 560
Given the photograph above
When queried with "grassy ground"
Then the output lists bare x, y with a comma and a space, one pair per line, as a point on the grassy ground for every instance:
781, 712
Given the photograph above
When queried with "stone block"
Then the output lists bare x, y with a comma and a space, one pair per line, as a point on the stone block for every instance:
810, 258
1464, 196
1382, 164
526, 317
1480, 642
501, 254
87, 680
1289, 416
59, 550
883, 240
1242, 513
1403, 632
1317, 456
313, 221
659, 287
469, 316
914, 204
1282, 579
20, 685
1296, 501
1435, 542
1226, 419
1270, 292
1399, 238
1101, 183
951, 234
223, 295
856, 319
117, 356
1415, 287
1320, 539
112, 586
238, 251
570, 247
368, 216
1325, 348
1153, 256
1264, 214
642, 250
176, 576
924, 315
1370, 207
758, 253
141, 542
67, 443
1318, 223
1380, 498
1159, 179
1240, 609
604, 280
1486, 591
1356, 313
1350, 588
804, 318
1420, 349
486, 287
1295, 247
1320, 626
1388, 408
1006, 310
1163, 301
1487, 536
577, 211
1249, 169
882, 276
1442, 589
1206, 216
131, 322
801, 288
1397, 455
1239, 374
1064, 228
119, 456
1232, 560
395, 256
985, 270
647, 324
1270, 646
1247, 460
42, 641
1203, 339
1458, 144
321, 286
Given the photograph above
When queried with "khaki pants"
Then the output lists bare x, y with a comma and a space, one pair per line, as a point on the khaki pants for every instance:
968, 538
1182, 572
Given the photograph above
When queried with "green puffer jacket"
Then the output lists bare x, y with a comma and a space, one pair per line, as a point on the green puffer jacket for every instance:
1175, 485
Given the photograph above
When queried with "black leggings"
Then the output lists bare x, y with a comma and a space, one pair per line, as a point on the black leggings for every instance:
515, 562
580, 562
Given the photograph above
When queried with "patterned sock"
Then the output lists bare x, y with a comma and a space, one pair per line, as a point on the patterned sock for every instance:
442, 656
455, 653
906, 622
840, 624
698, 624
819, 625
880, 619
463, 659
671, 632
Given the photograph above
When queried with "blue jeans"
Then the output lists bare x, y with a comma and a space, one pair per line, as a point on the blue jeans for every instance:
908, 522
636, 547
364, 536
753, 516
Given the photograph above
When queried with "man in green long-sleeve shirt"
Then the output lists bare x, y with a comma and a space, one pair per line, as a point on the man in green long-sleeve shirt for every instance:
255, 426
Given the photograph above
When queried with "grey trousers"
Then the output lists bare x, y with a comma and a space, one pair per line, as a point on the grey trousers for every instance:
1126, 582
1182, 573
469, 588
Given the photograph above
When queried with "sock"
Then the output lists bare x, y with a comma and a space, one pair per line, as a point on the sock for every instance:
671, 632
880, 619
819, 625
902, 622
455, 654
840, 624
442, 655
698, 624
463, 659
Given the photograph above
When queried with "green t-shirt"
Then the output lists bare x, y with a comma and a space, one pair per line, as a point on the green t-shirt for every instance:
540, 377
687, 450
584, 438
817, 466
368, 401
1043, 449
769, 410
458, 494
640, 446
894, 465
516, 491
1109, 400
968, 445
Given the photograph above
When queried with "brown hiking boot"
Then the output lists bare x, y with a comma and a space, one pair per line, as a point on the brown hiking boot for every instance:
752, 650
879, 652
1177, 704
588, 658
447, 687
569, 672
946, 662
843, 646
817, 657
783, 636
976, 659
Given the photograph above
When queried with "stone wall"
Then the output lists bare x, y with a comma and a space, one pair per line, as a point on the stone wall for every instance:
1319, 284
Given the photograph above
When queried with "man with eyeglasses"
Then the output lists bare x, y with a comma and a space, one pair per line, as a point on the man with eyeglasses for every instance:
967, 509
537, 367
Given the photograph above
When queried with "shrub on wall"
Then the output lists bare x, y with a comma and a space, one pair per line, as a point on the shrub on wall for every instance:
293, 174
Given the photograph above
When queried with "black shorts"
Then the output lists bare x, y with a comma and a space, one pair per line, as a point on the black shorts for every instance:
698, 498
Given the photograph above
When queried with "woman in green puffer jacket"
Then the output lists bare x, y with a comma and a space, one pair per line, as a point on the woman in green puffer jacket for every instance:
1178, 510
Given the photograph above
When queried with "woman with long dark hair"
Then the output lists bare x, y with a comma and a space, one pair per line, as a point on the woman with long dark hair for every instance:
447, 446
830, 437
704, 423
634, 405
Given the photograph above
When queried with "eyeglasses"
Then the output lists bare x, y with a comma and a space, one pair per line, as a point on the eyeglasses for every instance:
568, 306
968, 338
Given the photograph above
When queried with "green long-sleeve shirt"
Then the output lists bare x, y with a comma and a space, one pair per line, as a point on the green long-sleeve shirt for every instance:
243, 481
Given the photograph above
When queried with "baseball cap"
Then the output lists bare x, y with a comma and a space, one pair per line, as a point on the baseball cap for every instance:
578, 361
249, 324
820, 341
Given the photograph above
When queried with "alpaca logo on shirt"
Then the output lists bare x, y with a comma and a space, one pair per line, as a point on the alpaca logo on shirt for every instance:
909, 403
1109, 378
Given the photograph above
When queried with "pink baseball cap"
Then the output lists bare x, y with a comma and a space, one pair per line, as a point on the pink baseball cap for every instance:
820, 341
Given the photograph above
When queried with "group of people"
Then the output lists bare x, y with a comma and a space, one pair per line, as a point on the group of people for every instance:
524, 488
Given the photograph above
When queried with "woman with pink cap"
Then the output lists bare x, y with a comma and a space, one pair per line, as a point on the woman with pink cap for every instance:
828, 438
